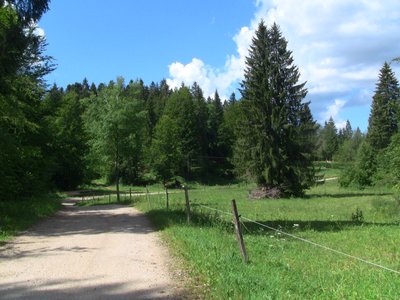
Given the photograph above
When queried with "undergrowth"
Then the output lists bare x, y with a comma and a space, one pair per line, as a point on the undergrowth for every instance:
18, 215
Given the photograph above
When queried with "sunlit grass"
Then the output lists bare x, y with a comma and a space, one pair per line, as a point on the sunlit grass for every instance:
282, 267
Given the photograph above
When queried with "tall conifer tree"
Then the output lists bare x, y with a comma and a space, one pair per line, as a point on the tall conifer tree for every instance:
23, 66
383, 117
216, 117
270, 146
329, 141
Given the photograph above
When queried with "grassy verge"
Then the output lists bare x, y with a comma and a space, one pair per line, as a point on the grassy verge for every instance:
281, 267
16, 216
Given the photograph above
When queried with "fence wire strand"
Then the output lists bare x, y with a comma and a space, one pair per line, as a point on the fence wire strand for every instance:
306, 241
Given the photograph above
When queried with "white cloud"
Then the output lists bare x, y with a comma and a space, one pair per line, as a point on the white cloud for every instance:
195, 71
39, 31
339, 46
333, 110
211, 79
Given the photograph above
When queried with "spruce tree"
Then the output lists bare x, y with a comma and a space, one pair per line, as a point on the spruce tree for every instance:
69, 142
23, 66
348, 131
270, 145
329, 140
216, 117
347, 152
201, 116
383, 117
175, 145
232, 99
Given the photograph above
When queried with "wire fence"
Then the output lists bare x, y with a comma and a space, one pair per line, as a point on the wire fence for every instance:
306, 241
179, 203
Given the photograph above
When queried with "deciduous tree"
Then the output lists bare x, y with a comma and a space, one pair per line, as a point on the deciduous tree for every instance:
115, 125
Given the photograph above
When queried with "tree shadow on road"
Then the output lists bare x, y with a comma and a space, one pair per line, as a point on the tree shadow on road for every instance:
83, 289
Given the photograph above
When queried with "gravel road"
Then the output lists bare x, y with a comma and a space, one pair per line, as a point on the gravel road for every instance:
99, 252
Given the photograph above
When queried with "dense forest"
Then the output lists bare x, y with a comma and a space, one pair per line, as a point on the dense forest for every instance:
130, 132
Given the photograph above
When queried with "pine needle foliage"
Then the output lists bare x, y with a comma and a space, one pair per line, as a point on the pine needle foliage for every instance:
275, 144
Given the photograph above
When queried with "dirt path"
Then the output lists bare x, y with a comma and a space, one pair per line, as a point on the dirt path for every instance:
100, 252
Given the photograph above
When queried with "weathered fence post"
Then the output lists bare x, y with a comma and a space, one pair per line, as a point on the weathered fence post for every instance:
130, 194
109, 198
148, 198
166, 197
238, 231
187, 204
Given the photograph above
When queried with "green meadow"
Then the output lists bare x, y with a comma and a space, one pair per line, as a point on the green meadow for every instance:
363, 224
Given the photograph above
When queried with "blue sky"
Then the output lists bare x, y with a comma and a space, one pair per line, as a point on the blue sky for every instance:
339, 45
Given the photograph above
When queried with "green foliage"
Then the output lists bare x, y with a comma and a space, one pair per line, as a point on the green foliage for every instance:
384, 112
216, 116
167, 156
16, 216
345, 133
62, 117
362, 171
388, 161
202, 118
347, 151
176, 146
22, 67
228, 130
328, 143
28, 10
358, 215
270, 145
115, 125
376, 159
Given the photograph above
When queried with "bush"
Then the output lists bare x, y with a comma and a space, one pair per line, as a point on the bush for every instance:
388, 164
362, 172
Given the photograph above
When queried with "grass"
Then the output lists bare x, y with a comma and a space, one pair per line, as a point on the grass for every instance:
329, 169
16, 216
281, 267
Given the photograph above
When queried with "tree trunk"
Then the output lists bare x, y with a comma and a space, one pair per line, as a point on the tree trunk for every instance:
117, 174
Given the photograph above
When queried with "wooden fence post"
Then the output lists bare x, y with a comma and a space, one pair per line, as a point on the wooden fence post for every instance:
166, 198
148, 198
130, 194
187, 204
238, 231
